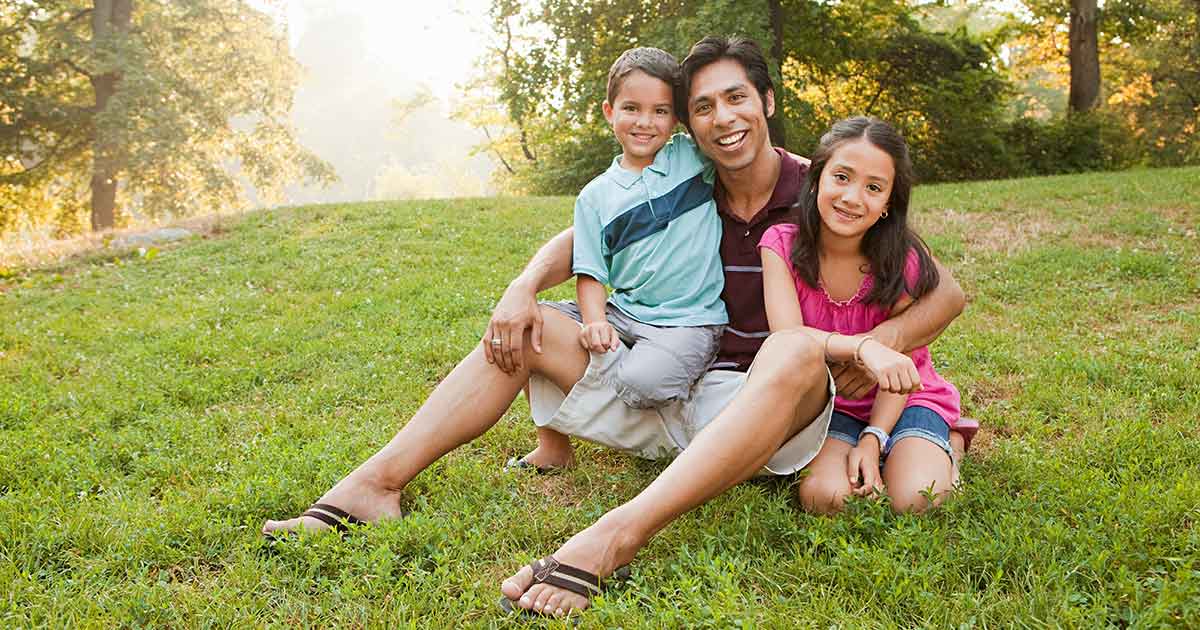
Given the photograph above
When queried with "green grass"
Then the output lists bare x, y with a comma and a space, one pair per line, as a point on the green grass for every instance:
154, 410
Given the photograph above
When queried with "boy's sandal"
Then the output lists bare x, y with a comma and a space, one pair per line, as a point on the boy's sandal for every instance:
519, 463
552, 572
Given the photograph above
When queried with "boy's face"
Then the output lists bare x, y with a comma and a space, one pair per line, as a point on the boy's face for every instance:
642, 117
727, 115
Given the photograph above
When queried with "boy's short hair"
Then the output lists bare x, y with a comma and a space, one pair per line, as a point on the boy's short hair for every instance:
653, 61
745, 51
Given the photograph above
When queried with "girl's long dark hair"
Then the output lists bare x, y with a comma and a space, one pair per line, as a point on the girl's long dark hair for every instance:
886, 244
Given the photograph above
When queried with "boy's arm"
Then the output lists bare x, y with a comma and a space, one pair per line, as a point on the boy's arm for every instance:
919, 325
597, 334
517, 310
591, 296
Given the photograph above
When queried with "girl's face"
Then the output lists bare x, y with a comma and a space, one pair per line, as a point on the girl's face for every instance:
855, 187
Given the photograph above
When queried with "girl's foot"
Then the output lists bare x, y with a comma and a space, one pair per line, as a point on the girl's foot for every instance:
599, 549
364, 501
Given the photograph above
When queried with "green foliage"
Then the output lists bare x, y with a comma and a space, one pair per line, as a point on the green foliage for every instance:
201, 108
154, 412
841, 59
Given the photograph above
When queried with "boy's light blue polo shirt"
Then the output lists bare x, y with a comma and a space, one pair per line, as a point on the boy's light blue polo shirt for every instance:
655, 237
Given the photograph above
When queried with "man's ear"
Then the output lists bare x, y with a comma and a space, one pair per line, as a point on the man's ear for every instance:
769, 105
606, 107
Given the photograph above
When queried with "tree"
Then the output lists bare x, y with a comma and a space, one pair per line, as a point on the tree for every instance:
548, 67
1085, 56
160, 108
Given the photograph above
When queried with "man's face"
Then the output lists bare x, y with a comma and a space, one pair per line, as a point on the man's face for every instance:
726, 115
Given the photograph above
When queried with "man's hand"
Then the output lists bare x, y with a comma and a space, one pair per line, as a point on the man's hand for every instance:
853, 380
599, 337
504, 340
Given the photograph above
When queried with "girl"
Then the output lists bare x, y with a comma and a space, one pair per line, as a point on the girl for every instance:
847, 264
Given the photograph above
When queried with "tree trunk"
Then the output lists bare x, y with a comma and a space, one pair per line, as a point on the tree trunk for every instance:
111, 20
1084, 56
776, 125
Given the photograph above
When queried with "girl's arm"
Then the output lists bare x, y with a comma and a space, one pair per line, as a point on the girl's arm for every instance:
895, 372
863, 461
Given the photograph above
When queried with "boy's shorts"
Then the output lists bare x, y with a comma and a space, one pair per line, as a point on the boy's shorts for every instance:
664, 361
593, 411
914, 422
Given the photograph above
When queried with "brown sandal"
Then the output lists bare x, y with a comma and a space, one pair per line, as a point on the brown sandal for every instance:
552, 572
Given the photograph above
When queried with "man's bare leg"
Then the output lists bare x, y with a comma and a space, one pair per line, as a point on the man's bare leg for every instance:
789, 381
462, 407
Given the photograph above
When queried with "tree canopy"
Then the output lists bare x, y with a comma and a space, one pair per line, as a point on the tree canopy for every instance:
177, 105
977, 93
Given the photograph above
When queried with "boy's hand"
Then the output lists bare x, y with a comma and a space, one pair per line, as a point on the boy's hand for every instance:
599, 337
862, 465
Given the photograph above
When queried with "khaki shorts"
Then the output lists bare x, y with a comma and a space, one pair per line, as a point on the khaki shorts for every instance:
593, 411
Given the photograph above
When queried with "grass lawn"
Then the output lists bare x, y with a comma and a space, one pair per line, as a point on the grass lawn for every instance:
155, 409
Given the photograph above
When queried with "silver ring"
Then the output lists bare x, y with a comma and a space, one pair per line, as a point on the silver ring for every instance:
495, 342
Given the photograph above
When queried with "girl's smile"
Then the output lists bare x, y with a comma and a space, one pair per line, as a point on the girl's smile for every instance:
854, 188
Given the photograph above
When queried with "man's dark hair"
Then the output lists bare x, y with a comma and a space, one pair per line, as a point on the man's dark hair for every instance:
653, 61
714, 48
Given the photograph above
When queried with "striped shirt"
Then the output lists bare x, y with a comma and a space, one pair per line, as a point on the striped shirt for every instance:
743, 293
653, 237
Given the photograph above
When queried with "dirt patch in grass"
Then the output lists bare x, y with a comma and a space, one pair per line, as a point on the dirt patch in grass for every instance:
984, 393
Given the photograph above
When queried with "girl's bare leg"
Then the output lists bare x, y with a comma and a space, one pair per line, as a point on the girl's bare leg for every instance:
825, 487
463, 406
915, 468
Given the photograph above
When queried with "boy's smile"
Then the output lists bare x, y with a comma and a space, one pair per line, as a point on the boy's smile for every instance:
642, 117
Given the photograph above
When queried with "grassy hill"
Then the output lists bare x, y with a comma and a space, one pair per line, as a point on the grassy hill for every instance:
155, 409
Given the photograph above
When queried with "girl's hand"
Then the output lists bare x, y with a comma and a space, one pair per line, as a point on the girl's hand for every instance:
863, 467
894, 371
599, 337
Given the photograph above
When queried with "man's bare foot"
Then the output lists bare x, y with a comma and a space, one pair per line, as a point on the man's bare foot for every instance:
599, 549
364, 501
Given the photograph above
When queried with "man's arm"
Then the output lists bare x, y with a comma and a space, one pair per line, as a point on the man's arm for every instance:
518, 310
922, 322
917, 326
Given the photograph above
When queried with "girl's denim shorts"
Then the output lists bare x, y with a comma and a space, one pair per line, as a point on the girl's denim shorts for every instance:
918, 422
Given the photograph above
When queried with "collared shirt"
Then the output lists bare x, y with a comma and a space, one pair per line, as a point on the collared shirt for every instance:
743, 294
653, 237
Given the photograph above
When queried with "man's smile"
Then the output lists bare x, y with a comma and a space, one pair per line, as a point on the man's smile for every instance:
732, 139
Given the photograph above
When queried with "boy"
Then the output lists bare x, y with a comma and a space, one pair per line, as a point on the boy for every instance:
648, 228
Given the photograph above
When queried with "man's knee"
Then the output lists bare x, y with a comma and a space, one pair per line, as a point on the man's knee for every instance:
823, 494
794, 358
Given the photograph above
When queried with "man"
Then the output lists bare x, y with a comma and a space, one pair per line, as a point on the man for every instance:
772, 418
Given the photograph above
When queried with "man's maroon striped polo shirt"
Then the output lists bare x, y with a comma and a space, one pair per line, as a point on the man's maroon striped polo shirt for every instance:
743, 292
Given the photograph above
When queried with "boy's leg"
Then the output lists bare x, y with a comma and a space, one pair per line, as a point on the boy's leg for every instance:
786, 391
463, 406
664, 362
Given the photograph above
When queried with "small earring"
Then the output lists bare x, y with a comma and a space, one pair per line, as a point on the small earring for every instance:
884, 215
